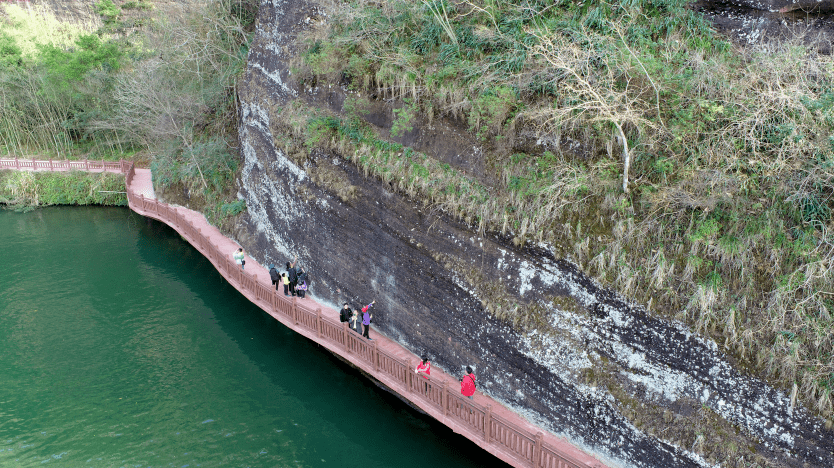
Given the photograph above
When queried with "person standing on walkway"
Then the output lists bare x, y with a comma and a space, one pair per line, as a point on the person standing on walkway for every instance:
292, 275
286, 281
239, 258
274, 276
355, 322
467, 383
366, 319
345, 314
424, 367
302, 283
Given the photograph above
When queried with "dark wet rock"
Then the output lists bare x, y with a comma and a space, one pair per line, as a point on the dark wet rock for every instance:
808, 6
822, 6
764, 22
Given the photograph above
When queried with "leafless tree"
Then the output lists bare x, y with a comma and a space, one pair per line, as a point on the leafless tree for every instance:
592, 91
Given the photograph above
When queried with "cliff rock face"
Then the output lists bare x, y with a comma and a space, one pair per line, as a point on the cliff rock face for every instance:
589, 365
763, 22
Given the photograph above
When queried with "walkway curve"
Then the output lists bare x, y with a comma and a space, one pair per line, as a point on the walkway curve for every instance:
484, 421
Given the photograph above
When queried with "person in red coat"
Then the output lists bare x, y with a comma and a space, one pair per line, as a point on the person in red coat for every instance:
467, 383
424, 367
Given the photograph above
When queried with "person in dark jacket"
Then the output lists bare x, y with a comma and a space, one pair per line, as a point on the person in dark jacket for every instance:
302, 283
274, 276
292, 275
345, 314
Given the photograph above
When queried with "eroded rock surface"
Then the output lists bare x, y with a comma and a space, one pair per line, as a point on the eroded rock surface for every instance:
768, 22
431, 276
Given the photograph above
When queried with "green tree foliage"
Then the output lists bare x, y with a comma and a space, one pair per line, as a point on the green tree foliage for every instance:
11, 55
108, 10
66, 67
170, 90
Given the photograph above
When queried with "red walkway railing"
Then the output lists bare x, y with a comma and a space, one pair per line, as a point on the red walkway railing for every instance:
493, 430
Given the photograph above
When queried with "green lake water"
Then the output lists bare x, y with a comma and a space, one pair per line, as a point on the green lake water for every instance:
121, 346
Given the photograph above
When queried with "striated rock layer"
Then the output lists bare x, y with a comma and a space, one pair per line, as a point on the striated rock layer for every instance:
429, 275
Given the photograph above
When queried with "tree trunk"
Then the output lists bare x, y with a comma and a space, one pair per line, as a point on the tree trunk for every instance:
626, 156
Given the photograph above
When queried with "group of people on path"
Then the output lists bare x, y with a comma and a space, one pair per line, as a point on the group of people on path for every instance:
467, 382
352, 318
295, 280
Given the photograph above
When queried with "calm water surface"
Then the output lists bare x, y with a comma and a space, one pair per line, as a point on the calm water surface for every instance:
121, 346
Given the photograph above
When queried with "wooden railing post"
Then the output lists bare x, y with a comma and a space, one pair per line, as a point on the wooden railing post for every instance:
50, 165
294, 310
376, 357
444, 398
409, 379
86, 164
537, 450
34, 165
318, 322
17, 164
488, 424
345, 336
275, 299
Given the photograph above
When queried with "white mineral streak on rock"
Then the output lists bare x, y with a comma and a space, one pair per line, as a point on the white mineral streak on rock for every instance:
550, 276
672, 385
274, 76
659, 381
666, 384
595, 393
555, 354
552, 352
617, 317
501, 266
283, 206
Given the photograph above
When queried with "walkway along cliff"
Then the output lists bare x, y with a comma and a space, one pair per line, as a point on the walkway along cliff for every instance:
489, 425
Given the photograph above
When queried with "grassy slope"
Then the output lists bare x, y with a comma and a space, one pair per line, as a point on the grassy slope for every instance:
726, 221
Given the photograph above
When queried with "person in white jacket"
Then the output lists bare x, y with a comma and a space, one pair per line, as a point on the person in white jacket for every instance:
239, 258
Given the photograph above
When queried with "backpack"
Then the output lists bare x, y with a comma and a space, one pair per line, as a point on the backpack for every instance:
293, 276
273, 275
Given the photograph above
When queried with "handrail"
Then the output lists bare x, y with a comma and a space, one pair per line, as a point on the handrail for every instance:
494, 430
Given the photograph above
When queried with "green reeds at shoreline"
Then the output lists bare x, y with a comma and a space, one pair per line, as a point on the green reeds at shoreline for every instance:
25, 190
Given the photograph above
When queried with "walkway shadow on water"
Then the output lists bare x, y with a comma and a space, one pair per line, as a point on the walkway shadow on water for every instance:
325, 384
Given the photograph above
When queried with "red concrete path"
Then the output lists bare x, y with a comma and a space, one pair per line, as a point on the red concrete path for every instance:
488, 424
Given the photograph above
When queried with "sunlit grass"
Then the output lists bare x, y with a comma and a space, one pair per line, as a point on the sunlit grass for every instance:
38, 25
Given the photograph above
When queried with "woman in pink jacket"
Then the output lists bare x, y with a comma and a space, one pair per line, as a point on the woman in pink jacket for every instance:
424, 367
